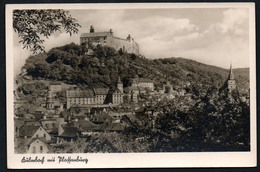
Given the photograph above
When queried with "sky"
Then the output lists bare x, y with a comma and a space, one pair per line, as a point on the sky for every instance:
214, 36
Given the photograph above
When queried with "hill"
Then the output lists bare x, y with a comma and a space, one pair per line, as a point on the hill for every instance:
71, 65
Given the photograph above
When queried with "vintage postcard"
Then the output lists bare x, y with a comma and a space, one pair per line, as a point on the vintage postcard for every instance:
131, 85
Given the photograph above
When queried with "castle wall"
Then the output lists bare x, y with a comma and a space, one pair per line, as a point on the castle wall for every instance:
127, 45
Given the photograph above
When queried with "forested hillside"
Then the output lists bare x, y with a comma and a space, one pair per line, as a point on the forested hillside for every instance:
71, 65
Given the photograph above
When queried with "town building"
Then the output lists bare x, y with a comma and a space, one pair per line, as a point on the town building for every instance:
42, 133
31, 131
108, 39
81, 98
49, 124
118, 94
67, 133
38, 145
55, 86
143, 83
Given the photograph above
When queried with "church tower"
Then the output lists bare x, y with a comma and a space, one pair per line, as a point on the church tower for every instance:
231, 83
120, 85
49, 102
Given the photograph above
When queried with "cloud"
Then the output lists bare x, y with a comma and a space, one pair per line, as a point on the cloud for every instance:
219, 44
234, 21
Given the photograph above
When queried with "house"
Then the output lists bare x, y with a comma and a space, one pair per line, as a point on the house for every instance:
100, 118
38, 145
27, 131
85, 126
48, 124
67, 133
143, 82
108, 39
110, 127
30, 131
132, 93
39, 112
55, 86
29, 116
100, 95
117, 97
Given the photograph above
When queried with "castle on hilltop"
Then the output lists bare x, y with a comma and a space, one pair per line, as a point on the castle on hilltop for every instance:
108, 39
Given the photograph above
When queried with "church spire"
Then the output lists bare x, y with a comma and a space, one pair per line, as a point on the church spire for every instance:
120, 84
231, 74
231, 80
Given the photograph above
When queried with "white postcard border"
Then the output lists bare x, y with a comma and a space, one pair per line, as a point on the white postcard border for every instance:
133, 160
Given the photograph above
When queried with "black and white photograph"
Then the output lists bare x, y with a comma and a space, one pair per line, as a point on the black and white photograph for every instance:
133, 85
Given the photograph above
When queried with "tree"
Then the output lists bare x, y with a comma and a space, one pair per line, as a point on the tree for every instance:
32, 25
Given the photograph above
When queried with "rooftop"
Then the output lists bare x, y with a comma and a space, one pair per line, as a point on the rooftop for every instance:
69, 131
101, 90
111, 127
80, 93
28, 130
96, 34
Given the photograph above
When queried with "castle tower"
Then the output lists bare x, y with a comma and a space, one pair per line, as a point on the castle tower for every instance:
120, 85
92, 30
111, 31
129, 37
231, 83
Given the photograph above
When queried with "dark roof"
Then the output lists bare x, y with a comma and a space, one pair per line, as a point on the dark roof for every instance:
84, 124
102, 117
95, 34
32, 122
111, 127
19, 122
54, 131
80, 93
117, 91
103, 91
28, 130
69, 131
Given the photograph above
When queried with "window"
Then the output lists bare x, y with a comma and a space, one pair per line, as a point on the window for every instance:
41, 149
44, 135
37, 135
34, 149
